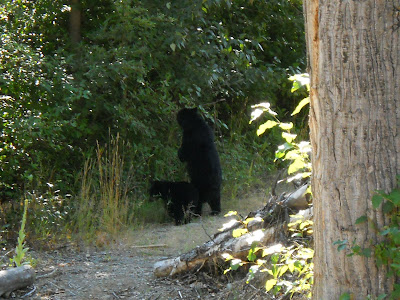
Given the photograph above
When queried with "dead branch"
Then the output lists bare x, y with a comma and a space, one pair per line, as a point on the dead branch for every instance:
263, 228
15, 278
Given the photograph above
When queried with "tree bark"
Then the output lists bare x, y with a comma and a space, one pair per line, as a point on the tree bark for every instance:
16, 278
354, 62
75, 22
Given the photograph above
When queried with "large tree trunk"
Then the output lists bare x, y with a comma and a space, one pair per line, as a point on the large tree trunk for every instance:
354, 60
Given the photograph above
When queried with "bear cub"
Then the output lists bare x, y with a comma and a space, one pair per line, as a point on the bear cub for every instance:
178, 197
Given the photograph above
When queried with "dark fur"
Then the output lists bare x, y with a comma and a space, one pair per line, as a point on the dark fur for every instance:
178, 197
199, 152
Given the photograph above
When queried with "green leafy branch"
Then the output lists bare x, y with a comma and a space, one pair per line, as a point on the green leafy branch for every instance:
290, 268
296, 152
20, 250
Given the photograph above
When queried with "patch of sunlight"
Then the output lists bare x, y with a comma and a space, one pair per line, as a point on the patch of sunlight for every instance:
255, 236
228, 225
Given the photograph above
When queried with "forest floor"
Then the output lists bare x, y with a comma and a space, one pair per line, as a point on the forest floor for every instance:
123, 269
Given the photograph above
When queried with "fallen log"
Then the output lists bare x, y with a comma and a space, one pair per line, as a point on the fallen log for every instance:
15, 278
263, 227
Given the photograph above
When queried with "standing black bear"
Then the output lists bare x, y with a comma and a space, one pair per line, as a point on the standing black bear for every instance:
199, 152
178, 197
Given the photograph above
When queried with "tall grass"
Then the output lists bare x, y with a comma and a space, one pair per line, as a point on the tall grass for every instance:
104, 205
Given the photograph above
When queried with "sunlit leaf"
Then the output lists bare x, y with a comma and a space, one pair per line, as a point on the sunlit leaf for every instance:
227, 256
291, 267
248, 220
293, 154
239, 232
231, 213
288, 136
302, 103
297, 164
270, 284
255, 114
267, 125
286, 126
236, 263
299, 80
283, 270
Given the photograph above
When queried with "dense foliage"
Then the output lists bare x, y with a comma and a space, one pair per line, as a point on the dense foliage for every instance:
136, 64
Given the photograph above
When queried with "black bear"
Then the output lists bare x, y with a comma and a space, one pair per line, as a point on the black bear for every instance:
198, 150
178, 197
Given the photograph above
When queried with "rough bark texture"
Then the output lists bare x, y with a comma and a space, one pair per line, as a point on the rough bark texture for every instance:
16, 278
354, 61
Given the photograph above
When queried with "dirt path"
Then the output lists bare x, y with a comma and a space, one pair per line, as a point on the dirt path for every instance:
116, 274
124, 270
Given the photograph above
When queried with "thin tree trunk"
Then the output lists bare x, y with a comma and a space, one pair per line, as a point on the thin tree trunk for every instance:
75, 22
354, 61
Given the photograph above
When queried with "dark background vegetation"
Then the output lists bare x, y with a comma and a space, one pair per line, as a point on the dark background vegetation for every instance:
80, 81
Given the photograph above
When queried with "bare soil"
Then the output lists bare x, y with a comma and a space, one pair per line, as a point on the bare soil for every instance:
124, 268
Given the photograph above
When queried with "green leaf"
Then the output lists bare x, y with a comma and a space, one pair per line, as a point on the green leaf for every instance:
270, 284
387, 207
345, 296
302, 103
361, 220
366, 252
342, 244
296, 86
234, 267
251, 256
376, 200
173, 47
299, 80
395, 266
394, 196
267, 125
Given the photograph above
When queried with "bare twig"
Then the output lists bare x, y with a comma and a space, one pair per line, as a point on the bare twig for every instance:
48, 274
150, 246
29, 293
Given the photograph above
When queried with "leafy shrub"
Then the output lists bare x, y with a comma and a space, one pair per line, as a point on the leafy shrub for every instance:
290, 268
386, 252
